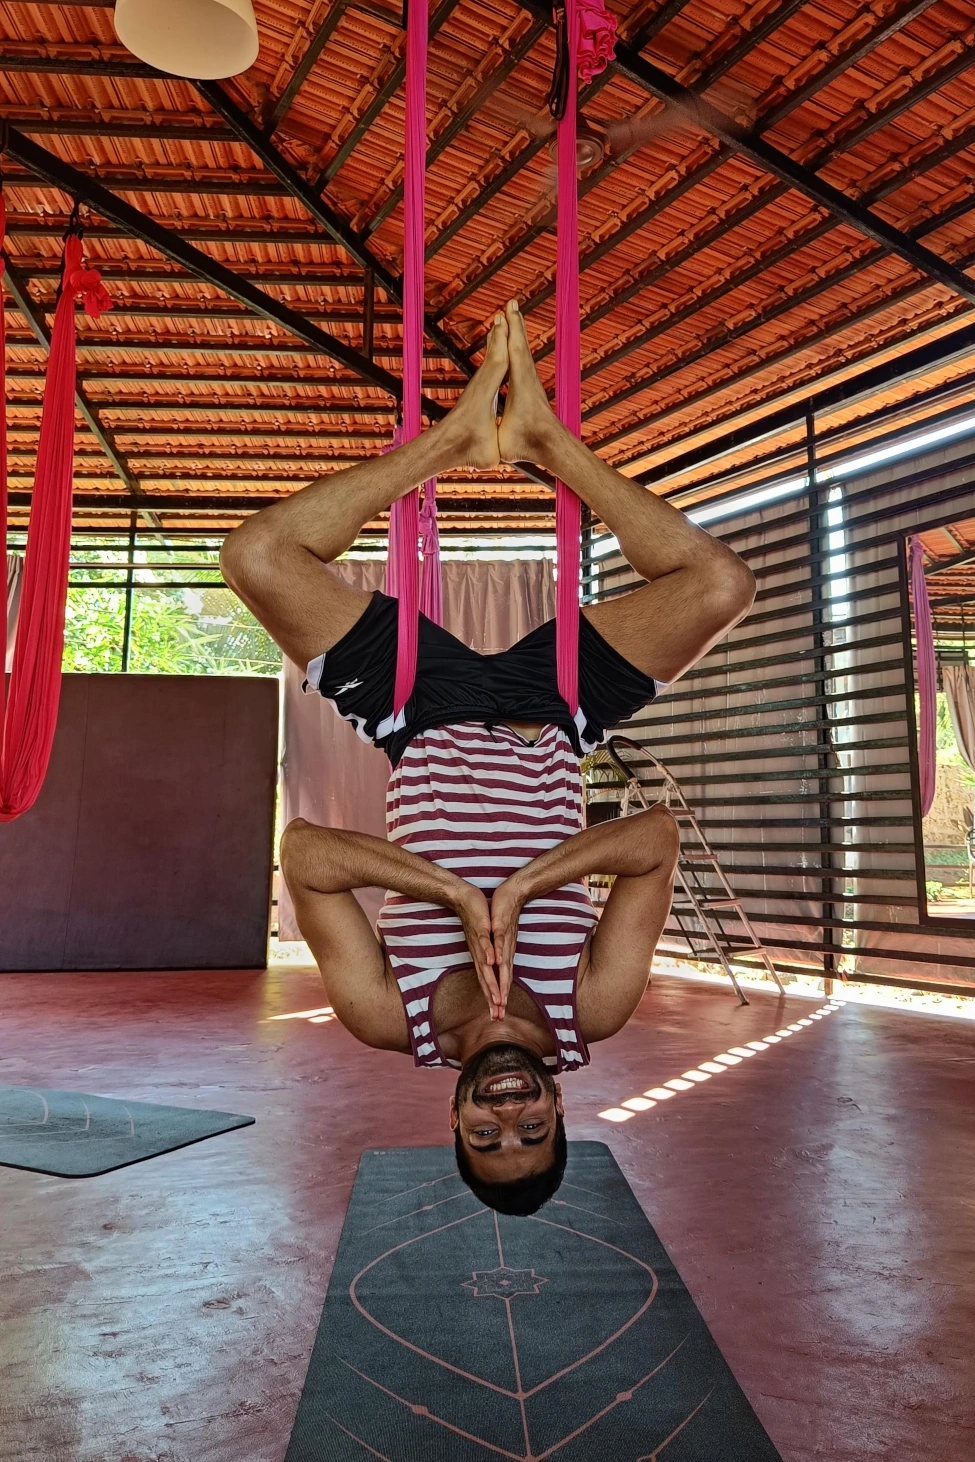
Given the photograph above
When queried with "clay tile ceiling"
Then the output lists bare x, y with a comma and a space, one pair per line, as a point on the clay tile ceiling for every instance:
784, 197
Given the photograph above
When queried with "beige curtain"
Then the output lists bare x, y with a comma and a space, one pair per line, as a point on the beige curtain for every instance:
15, 578
330, 776
959, 684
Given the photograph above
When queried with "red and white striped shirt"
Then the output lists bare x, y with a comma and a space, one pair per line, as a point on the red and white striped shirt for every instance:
483, 802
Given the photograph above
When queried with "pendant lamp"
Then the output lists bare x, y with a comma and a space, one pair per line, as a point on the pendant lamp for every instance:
203, 39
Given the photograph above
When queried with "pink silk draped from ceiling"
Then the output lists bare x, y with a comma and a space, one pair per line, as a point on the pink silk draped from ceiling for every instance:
30, 713
927, 675
404, 521
568, 382
590, 33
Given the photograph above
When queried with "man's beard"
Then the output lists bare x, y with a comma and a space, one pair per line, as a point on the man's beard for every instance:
502, 1060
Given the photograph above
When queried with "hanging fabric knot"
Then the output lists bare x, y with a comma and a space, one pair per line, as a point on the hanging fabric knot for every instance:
397, 439
94, 296
595, 44
558, 94
597, 38
86, 282
431, 584
429, 532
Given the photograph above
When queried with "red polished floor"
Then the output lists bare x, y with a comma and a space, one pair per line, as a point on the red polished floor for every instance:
818, 1200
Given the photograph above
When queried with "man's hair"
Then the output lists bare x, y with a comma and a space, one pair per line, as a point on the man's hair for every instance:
524, 1195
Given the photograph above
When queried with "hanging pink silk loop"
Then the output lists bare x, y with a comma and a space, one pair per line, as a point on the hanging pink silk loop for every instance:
404, 577
35, 682
927, 674
597, 38
393, 549
568, 385
3, 476
431, 584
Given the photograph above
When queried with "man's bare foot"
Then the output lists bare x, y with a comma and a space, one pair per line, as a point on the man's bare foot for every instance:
472, 425
529, 424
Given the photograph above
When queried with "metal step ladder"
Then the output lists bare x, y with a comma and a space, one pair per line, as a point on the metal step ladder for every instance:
708, 913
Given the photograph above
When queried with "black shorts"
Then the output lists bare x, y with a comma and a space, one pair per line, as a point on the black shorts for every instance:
455, 683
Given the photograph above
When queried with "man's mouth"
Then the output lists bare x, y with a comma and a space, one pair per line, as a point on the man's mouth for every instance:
501, 1085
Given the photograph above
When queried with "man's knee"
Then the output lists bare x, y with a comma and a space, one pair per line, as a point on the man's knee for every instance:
665, 832
733, 583
294, 850
249, 554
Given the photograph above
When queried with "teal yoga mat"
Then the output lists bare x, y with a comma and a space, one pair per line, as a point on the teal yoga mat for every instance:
71, 1134
453, 1334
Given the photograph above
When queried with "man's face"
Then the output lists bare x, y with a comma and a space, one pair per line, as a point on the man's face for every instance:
505, 1109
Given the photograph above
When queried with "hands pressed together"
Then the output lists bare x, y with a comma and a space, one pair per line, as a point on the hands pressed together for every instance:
491, 930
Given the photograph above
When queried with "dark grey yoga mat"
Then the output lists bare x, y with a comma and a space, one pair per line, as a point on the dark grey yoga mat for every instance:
70, 1134
452, 1334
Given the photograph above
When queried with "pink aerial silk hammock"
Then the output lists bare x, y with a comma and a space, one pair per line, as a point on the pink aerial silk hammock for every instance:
927, 674
31, 711
585, 41
406, 519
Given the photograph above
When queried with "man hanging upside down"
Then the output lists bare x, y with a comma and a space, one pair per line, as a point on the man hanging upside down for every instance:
488, 956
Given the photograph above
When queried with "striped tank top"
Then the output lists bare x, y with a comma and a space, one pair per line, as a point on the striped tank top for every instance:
483, 802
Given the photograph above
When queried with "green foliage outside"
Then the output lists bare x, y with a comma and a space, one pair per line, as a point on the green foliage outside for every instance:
199, 630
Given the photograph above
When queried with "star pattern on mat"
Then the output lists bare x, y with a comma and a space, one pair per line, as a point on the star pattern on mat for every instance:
504, 1282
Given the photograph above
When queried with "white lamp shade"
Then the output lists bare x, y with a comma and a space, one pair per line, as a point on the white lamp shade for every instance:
204, 39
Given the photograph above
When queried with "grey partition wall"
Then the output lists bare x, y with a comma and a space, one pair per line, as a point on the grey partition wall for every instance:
150, 846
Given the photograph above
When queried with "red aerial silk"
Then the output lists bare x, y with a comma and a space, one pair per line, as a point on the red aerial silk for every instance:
589, 33
30, 714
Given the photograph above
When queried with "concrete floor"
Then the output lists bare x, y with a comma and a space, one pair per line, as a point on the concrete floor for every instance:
818, 1200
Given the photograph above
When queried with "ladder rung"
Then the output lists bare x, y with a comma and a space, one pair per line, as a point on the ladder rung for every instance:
692, 857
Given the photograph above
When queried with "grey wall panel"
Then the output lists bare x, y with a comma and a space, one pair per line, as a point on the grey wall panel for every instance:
150, 846
37, 852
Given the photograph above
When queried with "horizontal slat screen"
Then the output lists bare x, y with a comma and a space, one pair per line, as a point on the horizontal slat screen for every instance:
794, 739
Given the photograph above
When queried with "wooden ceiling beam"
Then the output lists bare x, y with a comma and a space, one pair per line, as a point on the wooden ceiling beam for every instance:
160, 271
31, 226
146, 182
69, 122
202, 502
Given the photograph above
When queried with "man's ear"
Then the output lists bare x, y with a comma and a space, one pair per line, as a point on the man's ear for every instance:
454, 1118
558, 1099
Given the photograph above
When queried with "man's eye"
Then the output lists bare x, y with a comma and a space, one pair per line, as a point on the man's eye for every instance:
530, 1126
485, 1132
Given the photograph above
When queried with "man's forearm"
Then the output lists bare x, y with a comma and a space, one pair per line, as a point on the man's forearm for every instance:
331, 860
627, 847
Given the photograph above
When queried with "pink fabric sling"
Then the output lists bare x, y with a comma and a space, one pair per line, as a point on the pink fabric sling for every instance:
927, 675
30, 714
586, 40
